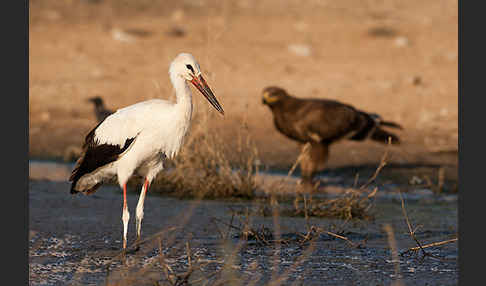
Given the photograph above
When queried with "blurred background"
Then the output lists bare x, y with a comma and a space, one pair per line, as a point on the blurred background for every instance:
395, 58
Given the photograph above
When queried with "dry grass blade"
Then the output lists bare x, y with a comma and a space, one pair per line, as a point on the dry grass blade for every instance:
261, 235
356, 178
276, 223
227, 273
280, 185
440, 179
183, 279
166, 268
394, 252
229, 225
419, 246
340, 237
279, 280
188, 249
305, 149
439, 243
410, 229
380, 166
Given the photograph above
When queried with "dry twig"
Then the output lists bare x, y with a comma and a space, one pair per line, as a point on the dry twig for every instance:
419, 246
439, 243
394, 250
380, 166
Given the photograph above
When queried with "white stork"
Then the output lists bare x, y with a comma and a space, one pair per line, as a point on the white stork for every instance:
138, 138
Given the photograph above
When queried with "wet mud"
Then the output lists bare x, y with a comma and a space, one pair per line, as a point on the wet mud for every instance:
76, 240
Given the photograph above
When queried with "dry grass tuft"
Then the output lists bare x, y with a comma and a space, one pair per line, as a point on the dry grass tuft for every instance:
203, 168
264, 236
354, 203
351, 205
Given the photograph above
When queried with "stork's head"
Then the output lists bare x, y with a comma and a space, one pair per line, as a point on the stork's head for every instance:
272, 95
186, 67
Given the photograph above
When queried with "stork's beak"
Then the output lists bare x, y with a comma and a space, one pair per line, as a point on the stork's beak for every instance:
203, 87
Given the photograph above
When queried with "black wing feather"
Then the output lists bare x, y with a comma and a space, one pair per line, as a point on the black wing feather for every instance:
96, 155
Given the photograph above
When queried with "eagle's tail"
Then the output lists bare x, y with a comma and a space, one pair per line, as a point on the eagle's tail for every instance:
370, 127
390, 124
382, 136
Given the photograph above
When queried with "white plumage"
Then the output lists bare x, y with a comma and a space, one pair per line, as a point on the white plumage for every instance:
138, 138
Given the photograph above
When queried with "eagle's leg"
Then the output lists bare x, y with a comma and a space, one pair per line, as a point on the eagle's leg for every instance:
313, 160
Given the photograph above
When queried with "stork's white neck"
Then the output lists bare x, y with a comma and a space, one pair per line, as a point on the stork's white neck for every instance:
183, 95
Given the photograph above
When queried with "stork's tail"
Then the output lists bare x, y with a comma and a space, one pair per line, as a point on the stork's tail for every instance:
87, 186
88, 191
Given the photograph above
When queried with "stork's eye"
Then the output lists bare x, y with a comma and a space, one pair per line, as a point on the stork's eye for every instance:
190, 68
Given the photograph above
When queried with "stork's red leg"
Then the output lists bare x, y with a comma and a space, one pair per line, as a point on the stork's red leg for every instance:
139, 211
146, 185
125, 216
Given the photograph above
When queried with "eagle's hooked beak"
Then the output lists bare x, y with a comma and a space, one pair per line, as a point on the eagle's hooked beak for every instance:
267, 98
203, 87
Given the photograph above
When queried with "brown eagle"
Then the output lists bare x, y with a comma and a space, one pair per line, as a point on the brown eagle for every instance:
321, 122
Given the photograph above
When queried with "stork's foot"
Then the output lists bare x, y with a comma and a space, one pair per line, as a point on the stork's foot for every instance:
134, 247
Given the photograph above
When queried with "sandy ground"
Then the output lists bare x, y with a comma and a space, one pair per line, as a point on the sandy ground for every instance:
398, 59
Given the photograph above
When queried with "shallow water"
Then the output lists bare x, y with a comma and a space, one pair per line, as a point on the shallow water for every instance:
335, 184
75, 238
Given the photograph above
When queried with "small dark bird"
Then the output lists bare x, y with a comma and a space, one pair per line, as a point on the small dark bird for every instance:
321, 122
100, 110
